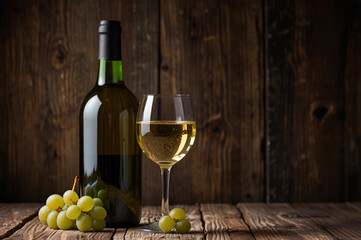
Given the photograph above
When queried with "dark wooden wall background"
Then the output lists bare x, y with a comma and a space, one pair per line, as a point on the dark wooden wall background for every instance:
276, 86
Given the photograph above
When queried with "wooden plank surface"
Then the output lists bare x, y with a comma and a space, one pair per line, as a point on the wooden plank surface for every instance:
279, 221
305, 58
213, 221
339, 220
214, 51
34, 229
106, 234
14, 215
224, 221
357, 205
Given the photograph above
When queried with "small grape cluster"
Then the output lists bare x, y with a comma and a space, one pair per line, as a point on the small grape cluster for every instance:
70, 211
176, 219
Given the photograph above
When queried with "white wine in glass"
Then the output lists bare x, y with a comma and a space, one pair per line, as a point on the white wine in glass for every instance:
166, 142
166, 130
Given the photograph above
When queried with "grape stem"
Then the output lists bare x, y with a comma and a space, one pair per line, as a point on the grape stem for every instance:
76, 179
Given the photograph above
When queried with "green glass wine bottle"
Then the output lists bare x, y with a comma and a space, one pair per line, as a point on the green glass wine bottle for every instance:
110, 159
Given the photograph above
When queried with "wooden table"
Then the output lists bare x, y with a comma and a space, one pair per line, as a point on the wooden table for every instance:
209, 221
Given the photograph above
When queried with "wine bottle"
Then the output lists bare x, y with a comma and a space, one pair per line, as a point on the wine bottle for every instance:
110, 158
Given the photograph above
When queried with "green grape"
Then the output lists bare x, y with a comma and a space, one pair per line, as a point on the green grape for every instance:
85, 203
103, 194
52, 218
73, 212
107, 205
98, 202
65, 207
177, 214
98, 225
83, 223
70, 197
90, 191
63, 221
43, 214
98, 213
182, 226
166, 223
55, 202
99, 185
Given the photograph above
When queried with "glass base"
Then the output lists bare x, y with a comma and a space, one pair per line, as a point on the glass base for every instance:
150, 228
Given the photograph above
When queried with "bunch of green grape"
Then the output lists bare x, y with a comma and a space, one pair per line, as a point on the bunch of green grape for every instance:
176, 219
70, 211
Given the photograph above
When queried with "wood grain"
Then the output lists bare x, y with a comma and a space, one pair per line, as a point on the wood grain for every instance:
37, 87
34, 229
224, 221
339, 220
106, 234
214, 51
353, 104
227, 236
14, 215
305, 99
279, 221
356, 205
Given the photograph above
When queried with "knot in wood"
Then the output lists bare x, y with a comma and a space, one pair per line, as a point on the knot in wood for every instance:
320, 112
58, 54
165, 67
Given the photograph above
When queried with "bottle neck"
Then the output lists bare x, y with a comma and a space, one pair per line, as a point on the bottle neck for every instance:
110, 71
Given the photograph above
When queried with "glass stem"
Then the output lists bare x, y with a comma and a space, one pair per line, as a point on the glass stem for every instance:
165, 174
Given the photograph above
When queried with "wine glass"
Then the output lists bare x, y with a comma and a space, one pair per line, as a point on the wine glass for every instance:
166, 130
